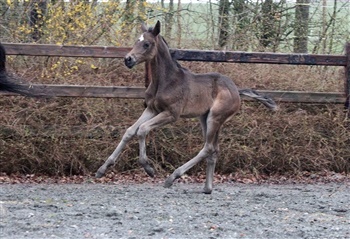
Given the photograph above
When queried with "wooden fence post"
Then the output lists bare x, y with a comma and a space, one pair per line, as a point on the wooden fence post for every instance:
347, 78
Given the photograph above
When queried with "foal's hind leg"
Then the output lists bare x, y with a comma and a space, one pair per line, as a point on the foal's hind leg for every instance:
204, 153
211, 162
212, 127
130, 132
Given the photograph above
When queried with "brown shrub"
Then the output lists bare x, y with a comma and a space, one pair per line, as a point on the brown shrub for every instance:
65, 136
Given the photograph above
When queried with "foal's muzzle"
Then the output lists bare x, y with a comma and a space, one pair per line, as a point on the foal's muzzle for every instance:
129, 61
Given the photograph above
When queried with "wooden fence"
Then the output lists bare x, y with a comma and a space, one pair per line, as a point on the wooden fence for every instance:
186, 55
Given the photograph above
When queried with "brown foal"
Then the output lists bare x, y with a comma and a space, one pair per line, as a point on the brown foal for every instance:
174, 92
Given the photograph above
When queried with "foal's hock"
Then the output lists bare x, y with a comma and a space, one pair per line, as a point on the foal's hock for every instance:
175, 92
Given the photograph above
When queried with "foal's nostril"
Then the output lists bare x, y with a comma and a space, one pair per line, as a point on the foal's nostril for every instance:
129, 61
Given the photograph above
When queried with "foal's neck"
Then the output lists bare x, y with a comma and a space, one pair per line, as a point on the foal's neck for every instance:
161, 67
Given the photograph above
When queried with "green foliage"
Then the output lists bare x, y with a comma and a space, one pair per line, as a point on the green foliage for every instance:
68, 23
249, 25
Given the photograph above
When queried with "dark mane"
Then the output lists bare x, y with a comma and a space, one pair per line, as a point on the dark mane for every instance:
150, 29
172, 55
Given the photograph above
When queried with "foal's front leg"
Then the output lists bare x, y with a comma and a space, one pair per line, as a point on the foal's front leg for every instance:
161, 119
130, 132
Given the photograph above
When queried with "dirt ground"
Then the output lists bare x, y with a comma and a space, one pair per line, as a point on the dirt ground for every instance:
147, 210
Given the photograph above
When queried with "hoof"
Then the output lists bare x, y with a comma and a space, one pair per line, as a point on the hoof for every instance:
168, 183
100, 172
150, 171
170, 180
207, 191
99, 175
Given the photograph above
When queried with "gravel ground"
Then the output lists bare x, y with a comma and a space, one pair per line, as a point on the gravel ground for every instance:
148, 210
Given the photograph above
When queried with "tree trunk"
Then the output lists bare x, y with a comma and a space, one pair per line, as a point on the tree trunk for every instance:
179, 27
36, 21
224, 24
142, 14
241, 24
301, 27
324, 25
267, 33
334, 16
128, 18
211, 33
169, 20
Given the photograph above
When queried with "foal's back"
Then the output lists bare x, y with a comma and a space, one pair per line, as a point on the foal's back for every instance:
209, 92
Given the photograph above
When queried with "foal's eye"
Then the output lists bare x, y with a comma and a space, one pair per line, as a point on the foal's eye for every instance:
146, 45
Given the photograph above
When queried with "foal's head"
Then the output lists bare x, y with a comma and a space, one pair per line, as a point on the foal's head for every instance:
145, 48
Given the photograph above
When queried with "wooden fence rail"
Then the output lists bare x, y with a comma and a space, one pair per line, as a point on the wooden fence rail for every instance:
185, 55
139, 93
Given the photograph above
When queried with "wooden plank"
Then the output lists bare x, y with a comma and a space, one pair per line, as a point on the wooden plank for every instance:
259, 57
305, 97
85, 91
65, 51
183, 55
139, 93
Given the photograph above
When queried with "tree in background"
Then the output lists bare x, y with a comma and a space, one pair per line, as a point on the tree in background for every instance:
142, 12
274, 24
333, 28
168, 18
258, 24
247, 25
128, 17
179, 26
267, 34
240, 23
224, 22
301, 26
36, 18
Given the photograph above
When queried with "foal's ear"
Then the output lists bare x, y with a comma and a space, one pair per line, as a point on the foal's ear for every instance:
156, 29
143, 27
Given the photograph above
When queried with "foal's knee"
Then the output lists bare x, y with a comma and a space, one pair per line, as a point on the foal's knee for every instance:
129, 133
211, 160
141, 132
209, 149
212, 153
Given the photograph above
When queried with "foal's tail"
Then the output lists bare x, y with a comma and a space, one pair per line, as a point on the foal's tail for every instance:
8, 83
268, 102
